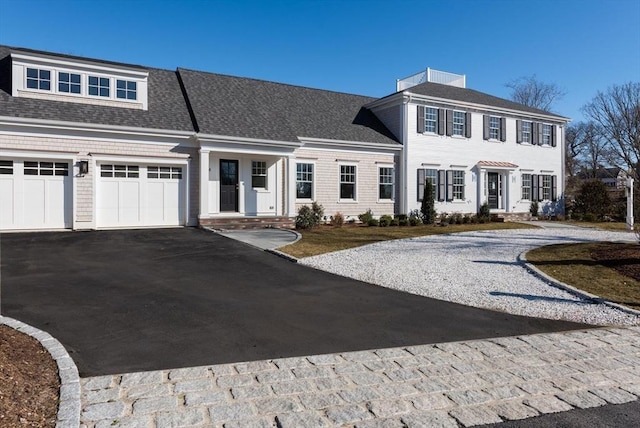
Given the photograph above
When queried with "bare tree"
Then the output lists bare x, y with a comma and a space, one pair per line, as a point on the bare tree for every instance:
531, 92
585, 148
617, 113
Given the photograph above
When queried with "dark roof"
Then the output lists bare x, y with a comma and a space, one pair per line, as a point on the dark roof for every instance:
600, 173
249, 108
472, 96
166, 105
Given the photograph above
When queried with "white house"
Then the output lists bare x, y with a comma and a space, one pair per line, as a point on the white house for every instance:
92, 144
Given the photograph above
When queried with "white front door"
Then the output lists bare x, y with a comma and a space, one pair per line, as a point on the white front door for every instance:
35, 194
131, 195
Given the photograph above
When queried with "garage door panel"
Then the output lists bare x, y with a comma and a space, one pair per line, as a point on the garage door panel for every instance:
129, 192
57, 199
34, 205
7, 202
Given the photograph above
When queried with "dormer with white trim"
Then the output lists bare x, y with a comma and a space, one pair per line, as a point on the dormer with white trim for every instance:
78, 81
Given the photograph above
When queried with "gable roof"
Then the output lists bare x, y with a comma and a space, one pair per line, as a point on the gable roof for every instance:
455, 93
250, 108
167, 109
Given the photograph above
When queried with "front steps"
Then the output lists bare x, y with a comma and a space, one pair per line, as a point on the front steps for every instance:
234, 223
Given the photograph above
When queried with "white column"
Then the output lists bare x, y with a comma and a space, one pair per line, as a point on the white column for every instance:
629, 203
204, 184
481, 188
290, 186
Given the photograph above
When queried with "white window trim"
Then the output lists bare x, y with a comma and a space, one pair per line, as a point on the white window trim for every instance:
464, 186
393, 184
313, 182
266, 176
464, 124
355, 185
435, 132
497, 139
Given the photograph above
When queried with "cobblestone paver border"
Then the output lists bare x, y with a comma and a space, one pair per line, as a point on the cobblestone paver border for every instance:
69, 405
449, 384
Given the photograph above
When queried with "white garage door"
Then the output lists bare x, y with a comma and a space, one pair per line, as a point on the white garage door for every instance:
140, 195
35, 194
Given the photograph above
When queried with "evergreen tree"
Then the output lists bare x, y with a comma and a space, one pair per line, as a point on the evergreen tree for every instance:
427, 209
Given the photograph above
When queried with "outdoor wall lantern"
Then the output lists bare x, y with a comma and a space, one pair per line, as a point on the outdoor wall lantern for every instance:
84, 167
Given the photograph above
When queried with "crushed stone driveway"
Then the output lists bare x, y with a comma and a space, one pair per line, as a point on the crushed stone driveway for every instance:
133, 300
479, 269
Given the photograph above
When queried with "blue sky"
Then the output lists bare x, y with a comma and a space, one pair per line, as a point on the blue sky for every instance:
350, 46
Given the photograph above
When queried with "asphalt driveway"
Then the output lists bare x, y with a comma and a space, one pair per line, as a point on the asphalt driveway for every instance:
125, 301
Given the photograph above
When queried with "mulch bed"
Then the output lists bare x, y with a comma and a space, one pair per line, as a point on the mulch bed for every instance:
29, 382
623, 258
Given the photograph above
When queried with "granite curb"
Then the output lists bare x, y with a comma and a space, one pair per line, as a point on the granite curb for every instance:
70, 404
522, 259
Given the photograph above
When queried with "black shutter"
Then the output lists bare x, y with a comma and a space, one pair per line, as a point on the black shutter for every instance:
554, 188
503, 129
420, 119
518, 131
442, 185
485, 127
420, 184
467, 124
540, 139
540, 187
534, 133
553, 136
534, 187
441, 121
449, 185
449, 122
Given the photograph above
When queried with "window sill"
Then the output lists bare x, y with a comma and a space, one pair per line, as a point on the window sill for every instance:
386, 201
260, 190
347, 201
305, 201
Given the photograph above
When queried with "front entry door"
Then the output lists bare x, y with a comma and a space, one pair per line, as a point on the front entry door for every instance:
228, 185
492, 181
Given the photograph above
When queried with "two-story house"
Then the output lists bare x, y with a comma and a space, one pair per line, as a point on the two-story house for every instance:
92, 144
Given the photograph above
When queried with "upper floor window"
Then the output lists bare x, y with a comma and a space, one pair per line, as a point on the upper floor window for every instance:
259, 174
459, 123
348, 182
99, 86
69, 82
546, 134
430, 119
126, 89
38, 79
304, 181
494, 127
526, 132
385, 183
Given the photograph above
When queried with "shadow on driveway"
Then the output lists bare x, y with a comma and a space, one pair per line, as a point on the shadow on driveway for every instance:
123, 301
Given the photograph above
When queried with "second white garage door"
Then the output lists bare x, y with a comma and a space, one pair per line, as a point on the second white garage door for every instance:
131, 195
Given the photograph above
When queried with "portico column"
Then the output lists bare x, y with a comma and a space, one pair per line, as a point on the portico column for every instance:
481, 188
290, 201
204, 184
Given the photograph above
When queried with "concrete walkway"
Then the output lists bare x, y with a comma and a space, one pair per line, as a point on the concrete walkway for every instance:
265, 239
443, 385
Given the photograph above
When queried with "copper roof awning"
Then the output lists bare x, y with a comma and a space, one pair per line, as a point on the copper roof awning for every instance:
494, 164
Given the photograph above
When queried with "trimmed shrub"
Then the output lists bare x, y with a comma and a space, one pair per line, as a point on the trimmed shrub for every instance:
385, 220
466, 219
337, 220
533, 209
305, 218
365, 216
427, 208
373, 222
394, 222
318, 212
414, 221
403, 222
484, 213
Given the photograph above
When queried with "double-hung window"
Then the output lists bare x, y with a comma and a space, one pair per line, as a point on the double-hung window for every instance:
304, 181
494, 127
259, 174
526, 186
430, 119
526, 132
385, 183
38, 79
546, 134
126, 89
430, 175
99, 86
546, 187
459, 118
347, 182
69, 83
458, 185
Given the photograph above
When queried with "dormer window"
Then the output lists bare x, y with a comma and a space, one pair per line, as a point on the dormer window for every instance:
69, 83
38, 79
126, 89
99, 86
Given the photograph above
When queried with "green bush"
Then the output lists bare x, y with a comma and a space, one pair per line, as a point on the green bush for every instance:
372, 222
403, 222
427, 208
414, 221
593, 200
365, 216
318, 212
466, 219
484, 213
337, 220
394, 222
533, 209
385, 220
309, 217
444, 219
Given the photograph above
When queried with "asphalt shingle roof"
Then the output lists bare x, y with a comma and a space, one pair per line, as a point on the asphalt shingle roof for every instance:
166, 108
472, 96
250, 108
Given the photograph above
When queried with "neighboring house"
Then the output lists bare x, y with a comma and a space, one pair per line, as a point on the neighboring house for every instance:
474, 148
90, 144
614, 178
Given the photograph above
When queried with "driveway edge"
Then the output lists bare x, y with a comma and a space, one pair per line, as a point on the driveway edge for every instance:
522, 259
69, 404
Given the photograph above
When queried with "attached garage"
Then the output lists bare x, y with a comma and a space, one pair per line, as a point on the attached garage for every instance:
140, 195
35, 193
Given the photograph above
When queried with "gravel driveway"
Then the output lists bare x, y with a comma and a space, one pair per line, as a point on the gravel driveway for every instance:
477, 269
